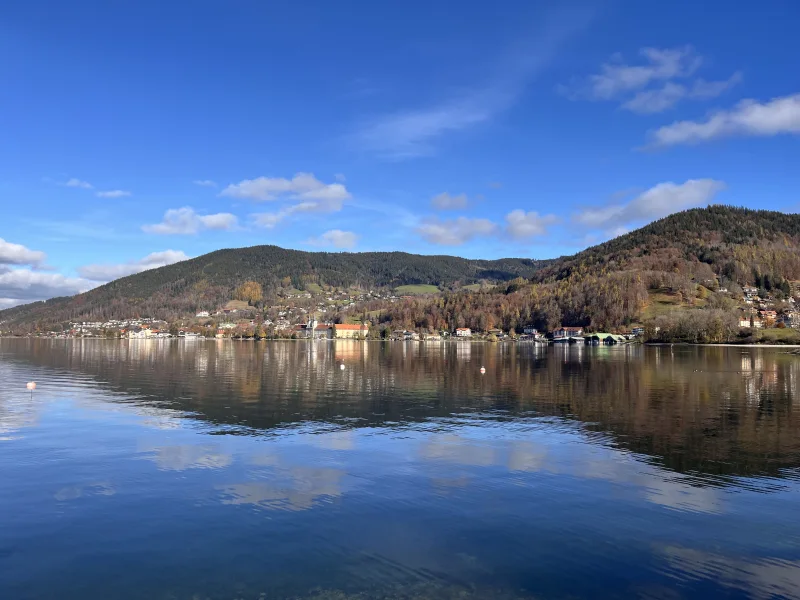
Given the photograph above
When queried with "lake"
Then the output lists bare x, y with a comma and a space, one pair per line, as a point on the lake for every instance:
170, 469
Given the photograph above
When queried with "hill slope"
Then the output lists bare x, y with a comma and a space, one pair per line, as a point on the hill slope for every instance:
677, 259
614, 284
738, 244
209, 280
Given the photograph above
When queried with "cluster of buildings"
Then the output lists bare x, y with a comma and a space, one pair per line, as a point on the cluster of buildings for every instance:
761, 313
315, 330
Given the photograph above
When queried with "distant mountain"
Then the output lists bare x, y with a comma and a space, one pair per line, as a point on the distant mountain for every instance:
210, 280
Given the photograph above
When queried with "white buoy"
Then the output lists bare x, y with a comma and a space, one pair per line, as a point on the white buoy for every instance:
483, 370
341, 367
31, 385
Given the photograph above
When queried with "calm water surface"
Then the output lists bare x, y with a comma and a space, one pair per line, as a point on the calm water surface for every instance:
220, 470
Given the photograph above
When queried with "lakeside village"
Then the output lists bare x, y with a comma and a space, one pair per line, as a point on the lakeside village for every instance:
238, 320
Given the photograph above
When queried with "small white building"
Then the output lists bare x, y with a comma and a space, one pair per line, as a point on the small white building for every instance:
202, 314
463, 332
745, 322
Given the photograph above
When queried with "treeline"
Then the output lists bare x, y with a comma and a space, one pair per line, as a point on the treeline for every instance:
597, 302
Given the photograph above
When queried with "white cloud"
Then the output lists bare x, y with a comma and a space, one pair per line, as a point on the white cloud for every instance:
205, 183
652, 84
336, 238
616, 78
184, 221
657, 202
268, 220
455, 232
658, 100
748, 118
19, 286
108, 272
411, 133
113, 194
77, 183
522, 225
445, 201
303, 187
712, 89
17, 254
661, 99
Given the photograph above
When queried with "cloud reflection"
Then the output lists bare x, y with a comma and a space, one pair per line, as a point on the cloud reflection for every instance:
763, 578
180, 458
295, 489
571, 456
73, 492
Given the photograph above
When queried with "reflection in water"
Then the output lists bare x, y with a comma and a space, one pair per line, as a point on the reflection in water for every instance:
720, 411
568, 471
766, 578
180, 458
297, 488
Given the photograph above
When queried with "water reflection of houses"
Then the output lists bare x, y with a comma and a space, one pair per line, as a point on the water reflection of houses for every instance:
350, 350
463, 350
695, 409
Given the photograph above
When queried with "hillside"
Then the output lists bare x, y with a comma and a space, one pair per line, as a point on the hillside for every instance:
669, 270
737, 244
209, 281
676, 265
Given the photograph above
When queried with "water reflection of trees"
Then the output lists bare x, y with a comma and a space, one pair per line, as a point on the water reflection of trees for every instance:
726, 411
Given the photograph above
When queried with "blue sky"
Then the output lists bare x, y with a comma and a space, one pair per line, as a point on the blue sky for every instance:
136, 134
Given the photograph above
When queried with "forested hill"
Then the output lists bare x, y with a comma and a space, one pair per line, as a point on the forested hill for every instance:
675, 262
209, 280
606, 286
738, 244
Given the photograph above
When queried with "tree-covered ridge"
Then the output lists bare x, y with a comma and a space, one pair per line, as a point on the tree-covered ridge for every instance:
739, 244
611, 285
607, 286
212, 279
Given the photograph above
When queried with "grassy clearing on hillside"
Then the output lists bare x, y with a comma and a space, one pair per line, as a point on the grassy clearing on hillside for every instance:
314, 288
237, 305
474, 287
662, 302
416, 290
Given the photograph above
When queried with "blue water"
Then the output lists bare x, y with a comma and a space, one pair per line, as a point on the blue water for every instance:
221, 470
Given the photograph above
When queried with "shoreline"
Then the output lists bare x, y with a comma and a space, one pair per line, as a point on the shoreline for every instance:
441, 341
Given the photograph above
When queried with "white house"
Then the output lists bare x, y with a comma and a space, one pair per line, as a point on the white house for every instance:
530, 331
202, 314
565, 333
463, 332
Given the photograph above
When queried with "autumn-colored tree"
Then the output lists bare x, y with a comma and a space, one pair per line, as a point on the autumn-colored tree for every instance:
250, 292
